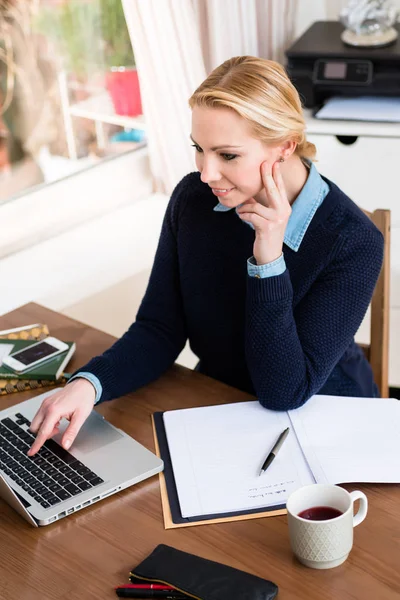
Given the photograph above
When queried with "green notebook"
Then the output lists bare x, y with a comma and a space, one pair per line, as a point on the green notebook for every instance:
50, 370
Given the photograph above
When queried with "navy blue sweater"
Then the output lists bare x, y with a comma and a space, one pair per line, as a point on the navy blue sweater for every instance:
281, 338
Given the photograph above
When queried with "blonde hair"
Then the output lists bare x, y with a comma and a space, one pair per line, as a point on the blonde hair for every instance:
260, 91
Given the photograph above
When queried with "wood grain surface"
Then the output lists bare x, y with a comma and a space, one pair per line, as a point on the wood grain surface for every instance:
85, 555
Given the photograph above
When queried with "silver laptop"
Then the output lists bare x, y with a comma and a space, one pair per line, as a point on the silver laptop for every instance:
55, 483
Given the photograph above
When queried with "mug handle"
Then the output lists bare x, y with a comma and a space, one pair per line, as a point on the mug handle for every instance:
362, 511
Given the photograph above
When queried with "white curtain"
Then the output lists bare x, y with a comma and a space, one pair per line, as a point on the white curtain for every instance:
176, 43
167, 50
236, 27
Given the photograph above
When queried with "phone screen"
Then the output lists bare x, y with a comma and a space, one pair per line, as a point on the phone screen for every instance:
34, 353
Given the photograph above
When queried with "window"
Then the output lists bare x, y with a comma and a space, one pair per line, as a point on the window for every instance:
69, 90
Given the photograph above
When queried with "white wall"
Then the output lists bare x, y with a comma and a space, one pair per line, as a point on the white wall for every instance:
63, 242
309, 11
51, 209
83, 261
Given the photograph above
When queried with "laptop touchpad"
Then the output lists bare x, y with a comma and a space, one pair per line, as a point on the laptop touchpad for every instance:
94, 434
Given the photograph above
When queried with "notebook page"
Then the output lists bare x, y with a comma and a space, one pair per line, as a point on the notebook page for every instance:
350, 440
217, 453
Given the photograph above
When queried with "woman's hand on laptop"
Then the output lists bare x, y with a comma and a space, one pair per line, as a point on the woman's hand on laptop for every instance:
74, 402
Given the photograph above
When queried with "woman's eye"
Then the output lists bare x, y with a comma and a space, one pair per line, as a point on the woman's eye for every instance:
198, 149
224, 156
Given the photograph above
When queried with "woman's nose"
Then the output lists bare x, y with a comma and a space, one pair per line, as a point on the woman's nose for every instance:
209, 172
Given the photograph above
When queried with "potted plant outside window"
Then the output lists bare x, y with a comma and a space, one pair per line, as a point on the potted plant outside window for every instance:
92, 36
122, 78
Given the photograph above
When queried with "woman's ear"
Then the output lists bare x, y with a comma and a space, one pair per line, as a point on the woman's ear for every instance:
287, 148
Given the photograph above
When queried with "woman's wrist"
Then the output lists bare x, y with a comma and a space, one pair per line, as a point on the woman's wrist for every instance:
266, 256
269, 263
85, 387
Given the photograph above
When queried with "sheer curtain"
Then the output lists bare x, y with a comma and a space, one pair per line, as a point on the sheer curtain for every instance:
176, 43
168, 56
256, 27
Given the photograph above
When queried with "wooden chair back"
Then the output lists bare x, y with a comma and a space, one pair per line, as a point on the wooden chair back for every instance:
377, 351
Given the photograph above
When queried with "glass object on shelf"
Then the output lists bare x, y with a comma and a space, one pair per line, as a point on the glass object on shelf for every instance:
369, 23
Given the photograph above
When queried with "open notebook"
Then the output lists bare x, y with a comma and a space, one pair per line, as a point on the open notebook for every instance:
216, 452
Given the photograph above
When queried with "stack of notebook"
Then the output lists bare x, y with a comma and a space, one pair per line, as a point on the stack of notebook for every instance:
47, 373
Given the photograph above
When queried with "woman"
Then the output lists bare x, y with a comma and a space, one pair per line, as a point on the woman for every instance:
266, 267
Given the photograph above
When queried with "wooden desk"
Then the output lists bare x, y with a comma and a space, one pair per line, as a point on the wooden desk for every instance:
85, 555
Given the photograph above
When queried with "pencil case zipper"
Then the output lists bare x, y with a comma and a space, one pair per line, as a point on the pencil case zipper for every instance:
150, 580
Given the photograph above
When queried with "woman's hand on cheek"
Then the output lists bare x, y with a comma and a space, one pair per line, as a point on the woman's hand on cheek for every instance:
269, 220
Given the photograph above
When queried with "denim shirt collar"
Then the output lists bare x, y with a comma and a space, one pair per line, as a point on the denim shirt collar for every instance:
303, 208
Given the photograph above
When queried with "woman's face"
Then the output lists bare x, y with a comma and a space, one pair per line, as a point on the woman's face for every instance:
228, 156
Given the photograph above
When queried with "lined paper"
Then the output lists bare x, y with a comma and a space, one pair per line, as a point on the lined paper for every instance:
217, 453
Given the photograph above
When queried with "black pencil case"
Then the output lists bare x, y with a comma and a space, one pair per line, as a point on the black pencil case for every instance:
200, 578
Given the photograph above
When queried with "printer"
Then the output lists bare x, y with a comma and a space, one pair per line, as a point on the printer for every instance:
320, 66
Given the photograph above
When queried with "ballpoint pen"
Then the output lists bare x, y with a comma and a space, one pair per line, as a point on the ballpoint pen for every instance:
274, 450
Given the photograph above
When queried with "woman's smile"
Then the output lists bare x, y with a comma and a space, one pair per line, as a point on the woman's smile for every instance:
221, 192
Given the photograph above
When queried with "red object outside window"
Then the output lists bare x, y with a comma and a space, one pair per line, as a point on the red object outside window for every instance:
123, 85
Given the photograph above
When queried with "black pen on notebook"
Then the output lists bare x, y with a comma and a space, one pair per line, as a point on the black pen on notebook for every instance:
275, 450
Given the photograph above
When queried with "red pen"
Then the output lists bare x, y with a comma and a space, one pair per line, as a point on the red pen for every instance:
132, 592
145, 586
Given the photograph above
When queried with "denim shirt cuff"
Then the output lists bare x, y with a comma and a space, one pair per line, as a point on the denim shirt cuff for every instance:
93, 380
272, 269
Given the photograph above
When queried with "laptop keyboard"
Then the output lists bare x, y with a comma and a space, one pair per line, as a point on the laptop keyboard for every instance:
49, 477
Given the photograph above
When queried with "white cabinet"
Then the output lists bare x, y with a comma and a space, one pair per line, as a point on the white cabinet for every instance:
363, 159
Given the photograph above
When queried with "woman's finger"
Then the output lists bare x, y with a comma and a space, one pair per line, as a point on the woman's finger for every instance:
277, 175
44, 432
77, 420
273, 194
265, 212
38, 419
256, 220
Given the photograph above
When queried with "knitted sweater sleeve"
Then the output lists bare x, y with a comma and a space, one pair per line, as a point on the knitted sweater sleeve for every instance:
155, 339
290, 352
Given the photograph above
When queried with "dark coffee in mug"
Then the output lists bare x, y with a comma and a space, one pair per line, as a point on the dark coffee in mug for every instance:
320, 513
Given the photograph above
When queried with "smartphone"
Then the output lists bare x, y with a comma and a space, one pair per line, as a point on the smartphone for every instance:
33, 355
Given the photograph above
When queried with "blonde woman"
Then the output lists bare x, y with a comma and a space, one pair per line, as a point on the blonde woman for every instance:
263, 264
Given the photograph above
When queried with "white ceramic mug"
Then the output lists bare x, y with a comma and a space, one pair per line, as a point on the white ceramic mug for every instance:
324, 544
